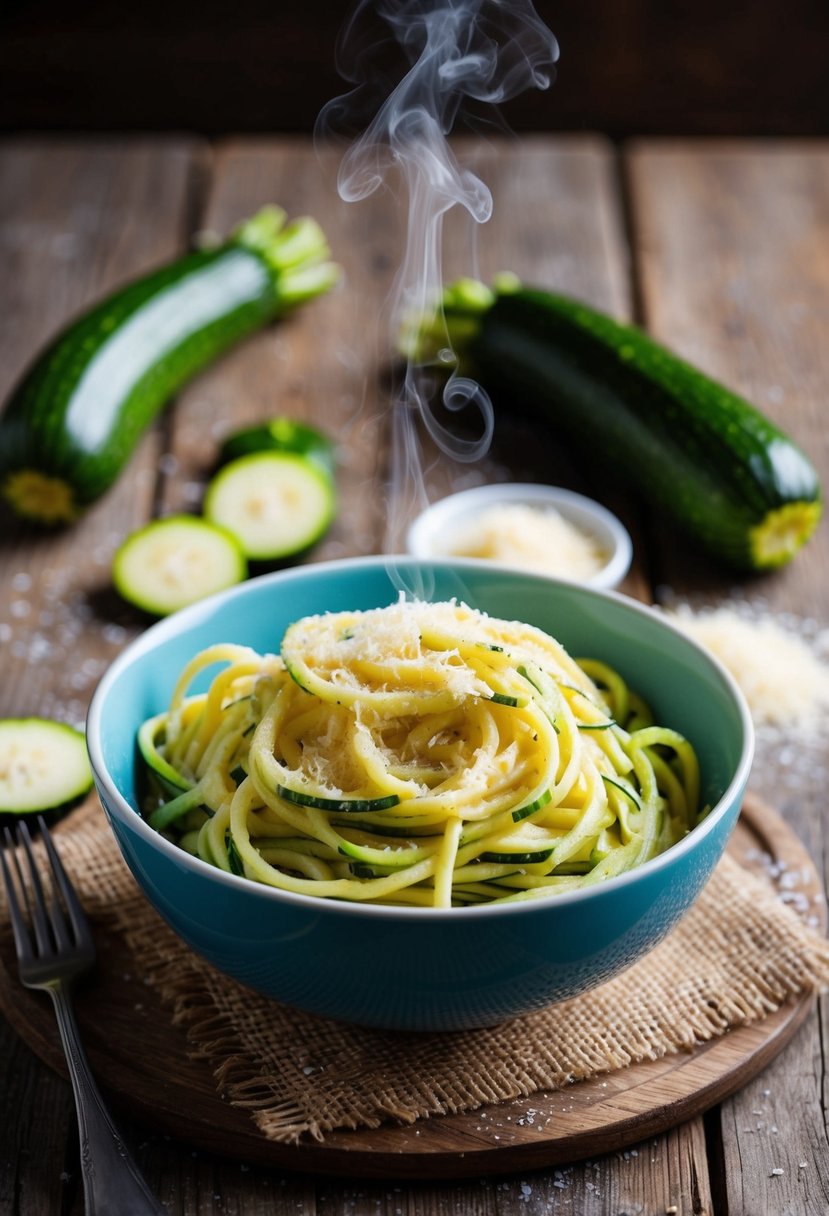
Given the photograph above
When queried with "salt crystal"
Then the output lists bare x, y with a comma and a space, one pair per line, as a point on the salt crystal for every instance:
776, 1172
22, 582
192, 491
39, 648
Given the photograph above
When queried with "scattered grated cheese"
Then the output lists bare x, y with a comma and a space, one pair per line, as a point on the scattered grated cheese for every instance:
533, 538
784, 679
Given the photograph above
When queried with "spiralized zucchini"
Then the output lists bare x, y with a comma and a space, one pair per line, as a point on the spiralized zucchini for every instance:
420, 754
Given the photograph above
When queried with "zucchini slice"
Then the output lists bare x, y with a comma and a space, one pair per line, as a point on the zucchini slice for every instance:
43, 765
699, 453
276, 504
73, 421
281, 435
174, 562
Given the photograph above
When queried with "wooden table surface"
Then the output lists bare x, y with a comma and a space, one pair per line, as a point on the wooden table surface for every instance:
719, 249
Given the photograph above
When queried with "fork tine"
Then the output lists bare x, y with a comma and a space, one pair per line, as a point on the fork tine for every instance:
38, 904
57, 919
12, 846
22, 941
77, 916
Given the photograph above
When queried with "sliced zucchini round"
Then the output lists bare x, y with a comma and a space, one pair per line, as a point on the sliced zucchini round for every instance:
176, 561
276, 504
43, 765
281, 435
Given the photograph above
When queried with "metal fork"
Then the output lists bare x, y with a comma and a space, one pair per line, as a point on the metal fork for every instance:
60, 949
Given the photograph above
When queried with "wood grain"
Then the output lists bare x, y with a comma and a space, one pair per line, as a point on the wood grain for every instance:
322, 365
733, 257
557, 222
73, 223
72, 226
720, 235
732, 254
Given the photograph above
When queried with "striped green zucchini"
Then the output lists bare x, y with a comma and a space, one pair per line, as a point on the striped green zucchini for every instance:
698, 452
72, 423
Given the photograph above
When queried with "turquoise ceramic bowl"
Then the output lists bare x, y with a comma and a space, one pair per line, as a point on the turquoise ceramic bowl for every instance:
413, 968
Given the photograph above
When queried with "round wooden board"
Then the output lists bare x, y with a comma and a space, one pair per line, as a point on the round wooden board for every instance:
141, 1061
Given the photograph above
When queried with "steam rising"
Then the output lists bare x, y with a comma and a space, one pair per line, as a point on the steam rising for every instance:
454, 51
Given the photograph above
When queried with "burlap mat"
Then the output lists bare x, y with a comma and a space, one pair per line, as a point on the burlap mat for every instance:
738, 955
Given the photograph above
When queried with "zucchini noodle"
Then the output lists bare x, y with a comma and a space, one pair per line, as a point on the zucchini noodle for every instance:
420, 754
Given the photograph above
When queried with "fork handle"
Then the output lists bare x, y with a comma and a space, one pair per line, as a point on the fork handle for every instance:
111, 1180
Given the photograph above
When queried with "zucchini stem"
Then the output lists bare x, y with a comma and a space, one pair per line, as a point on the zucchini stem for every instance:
444, 335
297, 253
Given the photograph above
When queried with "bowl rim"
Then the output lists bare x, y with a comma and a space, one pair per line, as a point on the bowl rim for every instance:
454, 506
179, 622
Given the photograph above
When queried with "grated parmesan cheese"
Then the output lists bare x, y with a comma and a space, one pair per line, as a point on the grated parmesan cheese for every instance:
783, 677
532, 538
392, 636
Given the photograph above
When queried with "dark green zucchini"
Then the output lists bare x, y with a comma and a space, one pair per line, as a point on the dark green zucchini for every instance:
73, 421
698, 452
281, 435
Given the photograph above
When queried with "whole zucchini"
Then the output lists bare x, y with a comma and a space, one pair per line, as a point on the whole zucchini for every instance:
697, 451
73, 421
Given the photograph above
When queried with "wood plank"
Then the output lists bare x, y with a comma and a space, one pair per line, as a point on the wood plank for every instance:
320, 365
731, 250
76, 219
37, 1116
731, 247
556, 222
